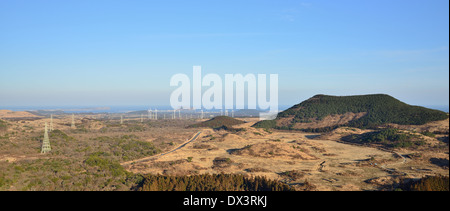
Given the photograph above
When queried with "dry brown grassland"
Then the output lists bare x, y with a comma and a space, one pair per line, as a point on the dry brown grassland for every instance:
102, 154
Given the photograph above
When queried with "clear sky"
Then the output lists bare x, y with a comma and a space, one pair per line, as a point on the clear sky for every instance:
110, 52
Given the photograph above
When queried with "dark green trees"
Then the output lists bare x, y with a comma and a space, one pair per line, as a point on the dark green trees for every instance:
208, 182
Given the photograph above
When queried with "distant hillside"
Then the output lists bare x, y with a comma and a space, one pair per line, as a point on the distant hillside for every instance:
218, 122
247, 113
144, 112
324, 112
7, 114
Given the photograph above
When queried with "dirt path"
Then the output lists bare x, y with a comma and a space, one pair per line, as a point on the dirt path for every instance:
164, 153
384, 167
391, 170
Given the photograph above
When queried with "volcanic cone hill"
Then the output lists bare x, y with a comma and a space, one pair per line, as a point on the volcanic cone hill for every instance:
218, 122
324, 112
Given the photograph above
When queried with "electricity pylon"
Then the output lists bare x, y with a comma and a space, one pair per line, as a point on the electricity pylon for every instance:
73, 122
46, 142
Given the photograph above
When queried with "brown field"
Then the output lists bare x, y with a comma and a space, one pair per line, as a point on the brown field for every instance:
306, 161
325, 163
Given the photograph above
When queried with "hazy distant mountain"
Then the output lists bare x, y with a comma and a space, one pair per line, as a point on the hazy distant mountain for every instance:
323, 112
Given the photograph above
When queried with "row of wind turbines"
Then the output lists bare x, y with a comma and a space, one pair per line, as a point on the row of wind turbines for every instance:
152, 114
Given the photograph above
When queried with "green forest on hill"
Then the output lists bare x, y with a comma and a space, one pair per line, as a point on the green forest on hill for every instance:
380, 109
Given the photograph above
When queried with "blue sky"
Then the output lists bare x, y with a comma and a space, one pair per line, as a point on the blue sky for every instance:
108, 52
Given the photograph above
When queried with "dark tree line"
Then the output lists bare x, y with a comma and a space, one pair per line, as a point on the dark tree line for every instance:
211, 182
429, 183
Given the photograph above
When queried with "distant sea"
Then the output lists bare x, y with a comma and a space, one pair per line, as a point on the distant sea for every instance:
124, 109
437, 107
86, 109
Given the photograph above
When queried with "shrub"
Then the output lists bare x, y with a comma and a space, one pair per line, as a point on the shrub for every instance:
391, 138
429, 134
3, 125
99, 160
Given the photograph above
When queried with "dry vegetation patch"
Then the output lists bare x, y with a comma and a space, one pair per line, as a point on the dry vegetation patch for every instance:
273, 150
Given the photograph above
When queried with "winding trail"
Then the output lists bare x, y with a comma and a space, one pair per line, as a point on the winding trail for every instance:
392, 170
164, 153
384, 166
